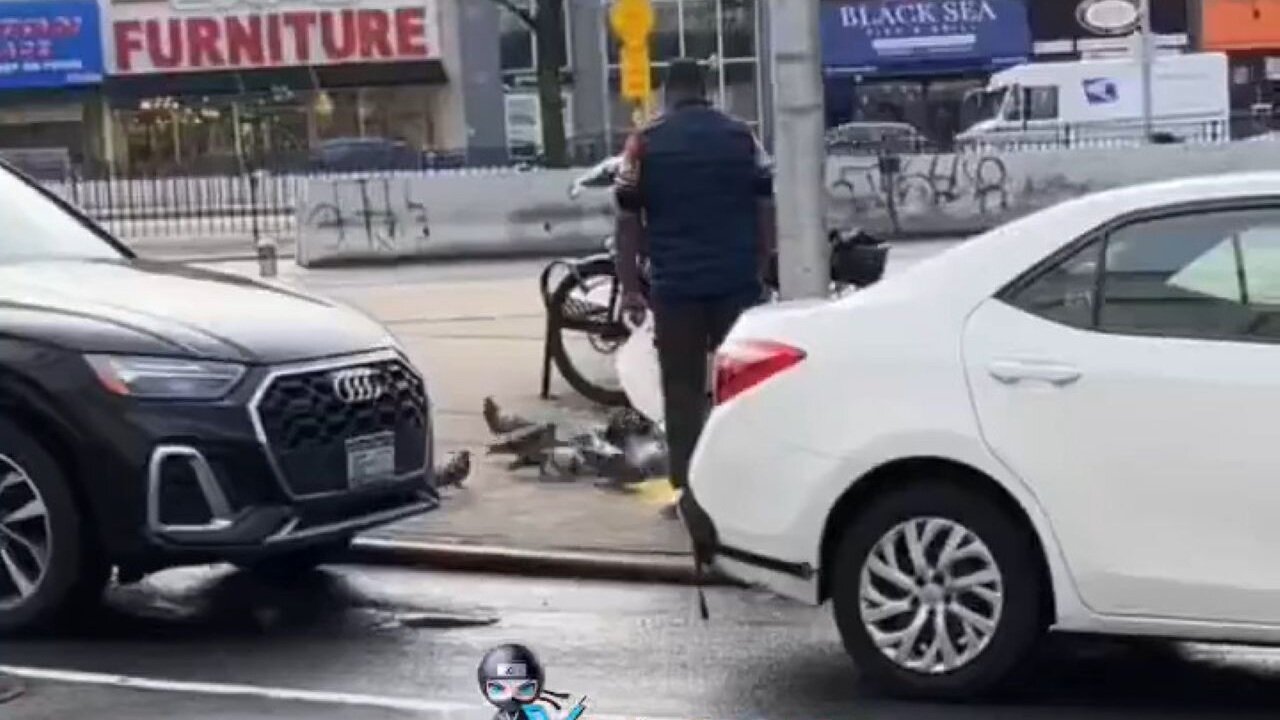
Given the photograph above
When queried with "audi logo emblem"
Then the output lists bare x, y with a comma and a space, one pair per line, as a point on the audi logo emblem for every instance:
358, 385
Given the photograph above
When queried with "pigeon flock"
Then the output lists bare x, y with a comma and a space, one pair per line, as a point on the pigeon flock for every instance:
628, 449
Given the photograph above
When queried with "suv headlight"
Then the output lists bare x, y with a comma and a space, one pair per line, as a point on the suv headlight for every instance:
158, 378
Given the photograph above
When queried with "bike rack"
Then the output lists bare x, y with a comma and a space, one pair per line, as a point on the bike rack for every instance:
554, 321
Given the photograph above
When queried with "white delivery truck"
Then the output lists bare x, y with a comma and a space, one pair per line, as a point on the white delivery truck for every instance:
1085, 101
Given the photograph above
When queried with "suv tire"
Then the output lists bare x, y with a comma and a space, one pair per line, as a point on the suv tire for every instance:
878, 571
68, 575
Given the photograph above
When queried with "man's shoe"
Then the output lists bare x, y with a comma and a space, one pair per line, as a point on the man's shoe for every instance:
671, 510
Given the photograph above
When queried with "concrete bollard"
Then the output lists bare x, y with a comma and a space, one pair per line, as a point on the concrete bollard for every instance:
268, 257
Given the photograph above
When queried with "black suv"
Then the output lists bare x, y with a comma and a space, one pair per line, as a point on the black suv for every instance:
154, 415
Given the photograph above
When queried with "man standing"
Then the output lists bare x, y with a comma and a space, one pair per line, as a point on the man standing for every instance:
695, 198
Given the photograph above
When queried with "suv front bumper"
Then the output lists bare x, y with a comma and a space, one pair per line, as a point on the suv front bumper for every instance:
214, 523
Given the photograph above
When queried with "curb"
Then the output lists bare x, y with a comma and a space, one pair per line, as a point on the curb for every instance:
661, 568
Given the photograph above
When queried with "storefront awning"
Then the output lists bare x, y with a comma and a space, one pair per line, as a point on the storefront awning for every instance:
890, 37
425, 72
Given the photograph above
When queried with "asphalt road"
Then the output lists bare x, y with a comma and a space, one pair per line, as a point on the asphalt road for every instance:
363, 643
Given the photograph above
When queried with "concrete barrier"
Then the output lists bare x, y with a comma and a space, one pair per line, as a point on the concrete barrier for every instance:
503, 213
495, 213
958, 194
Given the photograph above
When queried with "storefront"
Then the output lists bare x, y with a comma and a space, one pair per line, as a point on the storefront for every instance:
223, 84
914, 62
50, 72
1071, 29
1249, 32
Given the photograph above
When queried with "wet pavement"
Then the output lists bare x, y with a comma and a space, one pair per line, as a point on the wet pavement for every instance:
362, 643
476, 329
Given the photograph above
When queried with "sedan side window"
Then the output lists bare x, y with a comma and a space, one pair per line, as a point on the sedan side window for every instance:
1066, 292
1207, 275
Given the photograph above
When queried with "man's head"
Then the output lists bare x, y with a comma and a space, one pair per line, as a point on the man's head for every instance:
685, 82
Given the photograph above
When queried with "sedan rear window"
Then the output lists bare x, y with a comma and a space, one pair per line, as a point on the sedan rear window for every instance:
34, 227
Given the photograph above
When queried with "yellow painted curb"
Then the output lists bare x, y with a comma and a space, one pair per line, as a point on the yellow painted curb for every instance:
654, 492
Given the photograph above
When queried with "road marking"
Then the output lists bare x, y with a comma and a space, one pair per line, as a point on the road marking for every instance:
230, 689
321, 697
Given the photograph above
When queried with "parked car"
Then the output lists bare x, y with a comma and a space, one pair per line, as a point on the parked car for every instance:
361, 154
155, 415
869, 138
1064, 424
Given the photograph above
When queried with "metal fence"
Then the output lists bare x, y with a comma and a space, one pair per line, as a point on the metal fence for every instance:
243, 207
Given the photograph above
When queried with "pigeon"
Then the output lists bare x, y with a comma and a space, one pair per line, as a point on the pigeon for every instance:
500, 423
648, 455
625, 423
528, 445
562, 464
454, 472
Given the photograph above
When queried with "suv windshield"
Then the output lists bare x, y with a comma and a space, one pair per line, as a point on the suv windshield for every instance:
37, 228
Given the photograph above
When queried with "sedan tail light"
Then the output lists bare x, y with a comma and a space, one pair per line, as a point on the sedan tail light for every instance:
742, 365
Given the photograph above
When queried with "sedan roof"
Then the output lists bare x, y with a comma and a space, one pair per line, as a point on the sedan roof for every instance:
978, 268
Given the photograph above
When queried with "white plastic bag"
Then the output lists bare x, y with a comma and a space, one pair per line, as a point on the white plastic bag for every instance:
640, 373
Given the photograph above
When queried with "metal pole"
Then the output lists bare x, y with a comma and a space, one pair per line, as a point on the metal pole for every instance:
1144, 10
799, 149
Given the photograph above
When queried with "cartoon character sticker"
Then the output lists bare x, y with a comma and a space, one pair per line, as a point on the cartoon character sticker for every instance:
513, 681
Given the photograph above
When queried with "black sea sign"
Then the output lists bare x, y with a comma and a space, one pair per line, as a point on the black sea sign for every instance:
924, 13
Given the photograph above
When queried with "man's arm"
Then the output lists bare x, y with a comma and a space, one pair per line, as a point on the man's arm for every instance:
629, 230
766, 209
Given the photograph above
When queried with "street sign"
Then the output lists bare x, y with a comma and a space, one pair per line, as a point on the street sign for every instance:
632, 21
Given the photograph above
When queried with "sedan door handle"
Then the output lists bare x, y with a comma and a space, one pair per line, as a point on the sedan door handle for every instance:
1011, 372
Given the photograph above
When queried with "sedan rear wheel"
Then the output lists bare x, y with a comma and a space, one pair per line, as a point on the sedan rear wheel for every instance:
937, 592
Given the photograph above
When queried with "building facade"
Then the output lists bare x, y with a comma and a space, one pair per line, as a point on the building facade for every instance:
1099, 28
728, 36
51, 72
1248, 31
893, 61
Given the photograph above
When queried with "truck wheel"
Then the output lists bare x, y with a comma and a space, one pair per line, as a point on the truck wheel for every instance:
937, 592
46, 567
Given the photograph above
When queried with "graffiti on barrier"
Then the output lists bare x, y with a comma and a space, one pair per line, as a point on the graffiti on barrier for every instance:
923, 182
370, 211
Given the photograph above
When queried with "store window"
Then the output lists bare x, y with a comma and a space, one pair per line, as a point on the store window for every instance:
721, 33
517, 46
282, 129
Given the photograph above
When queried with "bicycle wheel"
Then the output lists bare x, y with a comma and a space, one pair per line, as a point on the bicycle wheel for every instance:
589, 332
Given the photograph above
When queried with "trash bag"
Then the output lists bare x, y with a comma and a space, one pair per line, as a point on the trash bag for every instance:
640, 373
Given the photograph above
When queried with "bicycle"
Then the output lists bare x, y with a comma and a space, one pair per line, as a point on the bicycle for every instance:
585, 300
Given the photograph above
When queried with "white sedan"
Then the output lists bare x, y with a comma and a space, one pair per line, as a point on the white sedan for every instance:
1070, 423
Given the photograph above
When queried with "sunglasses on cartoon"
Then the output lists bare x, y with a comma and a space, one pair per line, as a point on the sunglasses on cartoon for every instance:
526, 690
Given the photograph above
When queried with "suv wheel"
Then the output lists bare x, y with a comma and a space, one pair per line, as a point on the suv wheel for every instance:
937, 593
45, 567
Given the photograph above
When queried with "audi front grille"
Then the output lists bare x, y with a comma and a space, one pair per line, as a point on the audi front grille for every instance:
306, 416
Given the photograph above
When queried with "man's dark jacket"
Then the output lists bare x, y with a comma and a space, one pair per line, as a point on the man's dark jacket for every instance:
695, 176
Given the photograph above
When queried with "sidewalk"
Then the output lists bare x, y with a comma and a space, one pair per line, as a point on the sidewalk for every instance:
481, 336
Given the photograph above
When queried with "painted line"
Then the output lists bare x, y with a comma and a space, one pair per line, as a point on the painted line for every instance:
234, 690
320, 697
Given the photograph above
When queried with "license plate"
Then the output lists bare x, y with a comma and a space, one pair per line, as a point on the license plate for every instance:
371, 458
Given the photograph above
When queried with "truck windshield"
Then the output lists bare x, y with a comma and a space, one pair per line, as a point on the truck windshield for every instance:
38, 228
984, 105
